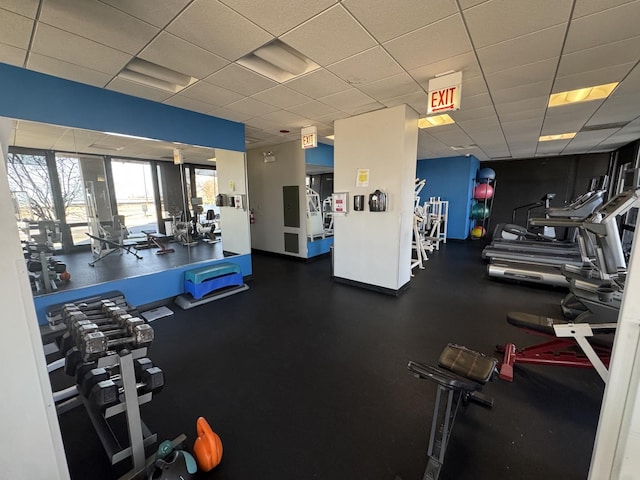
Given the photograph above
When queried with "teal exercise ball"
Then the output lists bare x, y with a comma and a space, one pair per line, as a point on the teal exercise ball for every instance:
479, 211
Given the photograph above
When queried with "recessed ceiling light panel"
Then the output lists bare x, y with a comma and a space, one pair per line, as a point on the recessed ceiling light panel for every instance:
435, 121
558, 136
278, 61
582, 95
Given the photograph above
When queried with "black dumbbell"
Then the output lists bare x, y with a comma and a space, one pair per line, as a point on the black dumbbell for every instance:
88, 374
96, 344
105, 393
77, 329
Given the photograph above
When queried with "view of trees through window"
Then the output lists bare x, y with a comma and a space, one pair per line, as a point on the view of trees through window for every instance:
30, 186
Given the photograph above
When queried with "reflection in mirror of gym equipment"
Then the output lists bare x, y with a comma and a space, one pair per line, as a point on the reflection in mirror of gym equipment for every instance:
319, 215
45, 272
106, 240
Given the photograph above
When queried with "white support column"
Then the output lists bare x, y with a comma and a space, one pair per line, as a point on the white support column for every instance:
617, 444
30, 444
374, 248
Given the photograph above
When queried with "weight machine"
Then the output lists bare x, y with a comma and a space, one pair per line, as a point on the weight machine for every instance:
315, 226
105, 240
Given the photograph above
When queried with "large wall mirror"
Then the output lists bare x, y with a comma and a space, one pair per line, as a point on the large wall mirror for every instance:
93, 207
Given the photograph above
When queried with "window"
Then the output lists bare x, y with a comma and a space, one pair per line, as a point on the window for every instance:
133, 185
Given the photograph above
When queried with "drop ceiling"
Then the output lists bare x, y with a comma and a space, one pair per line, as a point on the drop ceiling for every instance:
371, 54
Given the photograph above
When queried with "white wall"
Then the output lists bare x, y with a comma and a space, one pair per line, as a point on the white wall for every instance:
30, 444
617, 442
375, 247
232, 180
265, 187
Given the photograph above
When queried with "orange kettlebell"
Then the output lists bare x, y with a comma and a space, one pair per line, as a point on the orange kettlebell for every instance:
207, 447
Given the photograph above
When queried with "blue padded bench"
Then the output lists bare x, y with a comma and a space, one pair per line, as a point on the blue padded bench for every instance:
201, 281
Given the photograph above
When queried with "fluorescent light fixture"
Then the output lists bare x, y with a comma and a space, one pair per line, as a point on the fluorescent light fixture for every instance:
156, 76
212, 159
558, 136
330, 137
115, 134
582, 94
278, 61
435, 121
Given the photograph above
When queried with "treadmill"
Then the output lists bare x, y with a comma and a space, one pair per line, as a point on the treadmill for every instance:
601, 225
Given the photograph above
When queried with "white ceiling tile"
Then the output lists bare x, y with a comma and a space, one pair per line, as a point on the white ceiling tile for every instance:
366, 67
151, 11
251, 106
587, 7
12, 55
569, 118
494, 22
241, 80
418, 48
464, 4
189, 104
15, 30
604, 56
591, 78
331, 117
179, 55
466, 63
282, 97
215, 27
347, 100
286, 120
535, 105
71, 48
588, 139
318, 83
471, 114
527, 127
631, 83
28, 8
98, 22
262, 124
376, 15
229, 115
554, 147
480, 124
522, 92
475, 101
390, 87
314, 109
341, 37
137, 90
617, 108
530, 48
369, 107
212, 94
473, 86
59, 68
523, 74
417, 101
619, 23
269, 15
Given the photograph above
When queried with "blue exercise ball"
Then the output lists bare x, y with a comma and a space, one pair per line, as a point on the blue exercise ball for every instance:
486, 175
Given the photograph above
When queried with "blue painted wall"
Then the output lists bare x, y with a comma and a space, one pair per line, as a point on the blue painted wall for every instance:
28, 95
321, 155
167, 284
319, 247
451, 179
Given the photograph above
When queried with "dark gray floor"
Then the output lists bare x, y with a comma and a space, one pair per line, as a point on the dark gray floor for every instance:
304, 378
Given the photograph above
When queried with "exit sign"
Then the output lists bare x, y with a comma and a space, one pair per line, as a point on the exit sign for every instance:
309, 137
444, 93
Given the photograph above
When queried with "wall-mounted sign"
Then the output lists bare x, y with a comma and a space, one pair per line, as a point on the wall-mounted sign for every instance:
340, 202
444, 93
309, 137
362, 177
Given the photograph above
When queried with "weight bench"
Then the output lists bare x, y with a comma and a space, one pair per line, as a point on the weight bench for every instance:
209, 283
460, 375
567, 345
114, 247
159, 240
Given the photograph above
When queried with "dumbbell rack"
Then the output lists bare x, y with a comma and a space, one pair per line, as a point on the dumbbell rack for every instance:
139, 435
